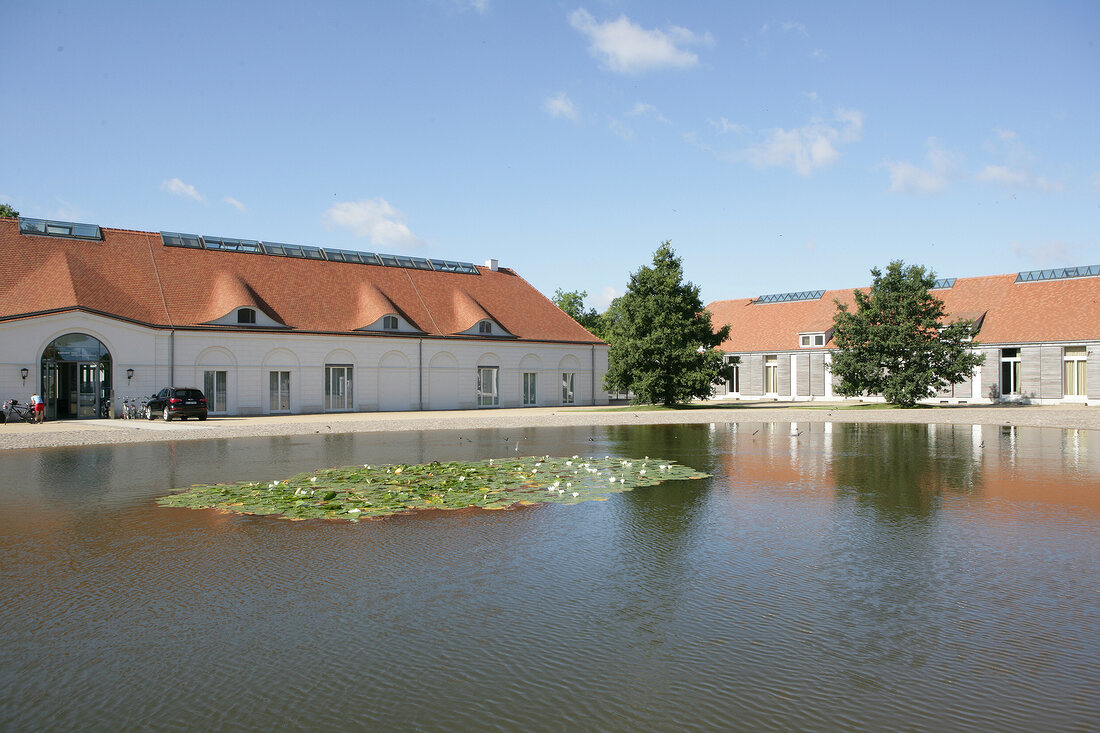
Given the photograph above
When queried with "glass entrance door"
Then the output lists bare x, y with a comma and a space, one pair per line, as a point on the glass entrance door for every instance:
338, 393
87, 397
213, 385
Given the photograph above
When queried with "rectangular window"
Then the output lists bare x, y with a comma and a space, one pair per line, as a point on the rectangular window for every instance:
1011, 372
819, 339
338, 387
568, 383
804, 341
530, 393
488, 394
389, 323
771, 374
213, 385
1075, 371
278, 391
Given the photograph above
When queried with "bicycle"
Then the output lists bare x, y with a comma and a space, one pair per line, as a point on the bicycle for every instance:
15, 408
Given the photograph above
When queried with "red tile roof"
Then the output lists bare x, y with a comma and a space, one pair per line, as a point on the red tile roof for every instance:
1043, 311
134, 276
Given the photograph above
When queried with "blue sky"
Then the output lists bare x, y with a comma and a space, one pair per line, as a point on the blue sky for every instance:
780, 146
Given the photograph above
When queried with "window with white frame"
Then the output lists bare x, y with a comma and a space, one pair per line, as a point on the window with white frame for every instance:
771, 374
278, 393
1011, 372
389, 323
213, 384
568, 385
1074, 371
488, 392
530, 388
810, 340
338, 387
734, 371
246, 315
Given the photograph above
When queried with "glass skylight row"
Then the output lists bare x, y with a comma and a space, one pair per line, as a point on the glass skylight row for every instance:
789, 297
51, 228
1058, 273
944, 283
279, 249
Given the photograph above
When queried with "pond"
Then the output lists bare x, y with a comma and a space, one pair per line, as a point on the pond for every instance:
826, 577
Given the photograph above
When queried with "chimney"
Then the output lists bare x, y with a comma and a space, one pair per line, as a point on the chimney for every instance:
492, 265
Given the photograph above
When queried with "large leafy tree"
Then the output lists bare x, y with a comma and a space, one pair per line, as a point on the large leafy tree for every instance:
662, 341
896, 343
572, 302
8, 212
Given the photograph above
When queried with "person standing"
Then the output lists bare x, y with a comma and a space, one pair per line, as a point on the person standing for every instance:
39, 408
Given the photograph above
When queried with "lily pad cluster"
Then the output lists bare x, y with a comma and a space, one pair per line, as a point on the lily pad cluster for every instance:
357, 492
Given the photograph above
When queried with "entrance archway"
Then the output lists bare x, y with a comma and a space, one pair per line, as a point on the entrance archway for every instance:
76, 377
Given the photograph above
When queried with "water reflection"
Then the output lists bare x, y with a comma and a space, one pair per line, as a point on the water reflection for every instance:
827, 576
902, 470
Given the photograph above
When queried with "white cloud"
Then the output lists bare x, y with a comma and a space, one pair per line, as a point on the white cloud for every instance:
1044, 254
912, 179
818, 55
797, 28
480, 6
376, 220
810, 147
561, 106
1006, 176
603, 300
176, 187
723, 126
621, 129
235, 203
641, 108
627, 48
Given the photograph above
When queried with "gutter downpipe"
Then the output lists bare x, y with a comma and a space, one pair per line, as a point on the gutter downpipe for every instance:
172, 357
420, 368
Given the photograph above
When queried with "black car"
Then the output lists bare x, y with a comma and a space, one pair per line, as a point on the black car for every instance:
172, 402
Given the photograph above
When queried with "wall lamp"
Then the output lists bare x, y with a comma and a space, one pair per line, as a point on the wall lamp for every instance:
129, 375
24, 372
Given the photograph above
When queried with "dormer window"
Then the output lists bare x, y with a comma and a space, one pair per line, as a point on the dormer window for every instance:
389, 323
246, 315
485, 327
810, 340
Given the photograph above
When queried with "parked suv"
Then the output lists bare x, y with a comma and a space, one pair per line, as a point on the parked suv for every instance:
172, 402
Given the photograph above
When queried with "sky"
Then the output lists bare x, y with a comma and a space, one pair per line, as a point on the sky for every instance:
779, 146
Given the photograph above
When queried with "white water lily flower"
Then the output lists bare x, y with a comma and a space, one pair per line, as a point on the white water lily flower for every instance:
575, 494
313, 479
353, 511
550, 489
561, 491
575, 457
567, 485
612, 479
569, 463
642, 472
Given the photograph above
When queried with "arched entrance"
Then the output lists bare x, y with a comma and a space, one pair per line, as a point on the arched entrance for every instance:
76, 377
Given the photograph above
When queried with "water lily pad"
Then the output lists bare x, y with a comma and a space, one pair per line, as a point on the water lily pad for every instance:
355, 492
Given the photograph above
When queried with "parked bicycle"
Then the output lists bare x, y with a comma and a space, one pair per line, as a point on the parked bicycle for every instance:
13, 410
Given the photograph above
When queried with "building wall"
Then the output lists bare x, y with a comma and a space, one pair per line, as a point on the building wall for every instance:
388, 373
1041, 376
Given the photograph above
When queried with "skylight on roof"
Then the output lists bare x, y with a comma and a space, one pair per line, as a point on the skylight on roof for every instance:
301, 251
1058, 274
944, 283
51, 228
789, 297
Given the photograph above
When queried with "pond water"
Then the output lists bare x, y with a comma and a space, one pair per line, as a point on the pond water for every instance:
827, 577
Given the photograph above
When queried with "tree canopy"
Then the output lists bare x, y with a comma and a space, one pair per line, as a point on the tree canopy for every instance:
572, 302
7, 211
662, 340
896, 343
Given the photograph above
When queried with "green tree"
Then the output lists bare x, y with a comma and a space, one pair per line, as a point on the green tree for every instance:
662, 341
7, 211
572, 302
896, 344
